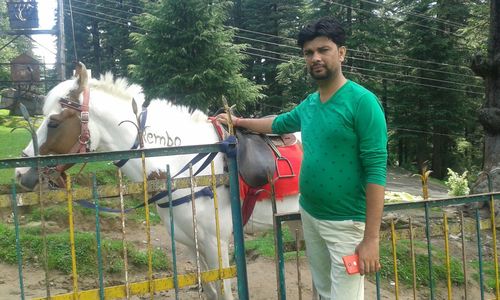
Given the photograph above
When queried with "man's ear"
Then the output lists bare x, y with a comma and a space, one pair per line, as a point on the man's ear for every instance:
342, 53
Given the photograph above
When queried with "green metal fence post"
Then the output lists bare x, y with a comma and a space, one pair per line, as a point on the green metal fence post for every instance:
172, 233
95, 195
239, 244
429, 249
479, 254
18, 240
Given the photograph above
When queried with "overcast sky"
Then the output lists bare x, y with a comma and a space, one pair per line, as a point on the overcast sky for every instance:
46, 17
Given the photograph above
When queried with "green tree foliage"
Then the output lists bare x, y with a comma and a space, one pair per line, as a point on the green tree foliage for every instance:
297, 84
426, 112
270, 29
101, 29
188, 56
475, 34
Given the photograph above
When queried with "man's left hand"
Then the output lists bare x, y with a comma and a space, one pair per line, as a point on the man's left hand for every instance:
368, 252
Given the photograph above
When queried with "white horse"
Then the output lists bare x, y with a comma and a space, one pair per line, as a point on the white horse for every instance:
109, 104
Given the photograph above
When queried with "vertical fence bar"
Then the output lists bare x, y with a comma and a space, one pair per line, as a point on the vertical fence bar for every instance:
148, 225
69, 195
395, 260
98, 237
447, 254
124, 243
494, 231
217, 224
413, 261
44, 234
297, 252
429, 249
377, 281
280, 258
464, 257
239, 243
19, 254
195, 231
172, 233
278, 245
495, 253
479, 254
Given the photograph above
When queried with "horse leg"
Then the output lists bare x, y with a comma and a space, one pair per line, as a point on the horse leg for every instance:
210, 259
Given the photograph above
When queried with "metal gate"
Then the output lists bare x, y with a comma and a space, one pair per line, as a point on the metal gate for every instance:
152, 285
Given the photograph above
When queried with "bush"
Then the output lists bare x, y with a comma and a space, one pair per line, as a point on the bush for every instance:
457, 184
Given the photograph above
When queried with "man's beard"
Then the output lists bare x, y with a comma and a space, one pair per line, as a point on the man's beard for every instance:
328, 74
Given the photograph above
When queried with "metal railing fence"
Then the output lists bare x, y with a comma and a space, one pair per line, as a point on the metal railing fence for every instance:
432, 237
152, 285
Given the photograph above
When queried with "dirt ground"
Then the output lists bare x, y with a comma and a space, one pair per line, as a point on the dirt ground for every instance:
261, 270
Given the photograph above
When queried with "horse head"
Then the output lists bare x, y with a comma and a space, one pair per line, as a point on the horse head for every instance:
61, 129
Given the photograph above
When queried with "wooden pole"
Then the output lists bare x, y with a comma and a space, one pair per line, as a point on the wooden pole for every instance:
61, 50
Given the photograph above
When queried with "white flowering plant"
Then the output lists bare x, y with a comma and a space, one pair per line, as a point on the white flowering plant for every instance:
458, 185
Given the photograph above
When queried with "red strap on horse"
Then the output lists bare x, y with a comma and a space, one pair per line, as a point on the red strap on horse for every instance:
217, 127
81, 146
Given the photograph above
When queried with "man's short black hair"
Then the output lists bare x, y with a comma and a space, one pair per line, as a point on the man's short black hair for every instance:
328, 27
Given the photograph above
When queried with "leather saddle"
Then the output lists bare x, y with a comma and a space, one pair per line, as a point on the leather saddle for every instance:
258, 155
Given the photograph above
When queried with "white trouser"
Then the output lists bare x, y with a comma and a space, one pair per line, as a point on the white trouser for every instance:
326, 243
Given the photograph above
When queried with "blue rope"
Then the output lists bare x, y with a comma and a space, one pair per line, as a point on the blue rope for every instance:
203, 192
143, 116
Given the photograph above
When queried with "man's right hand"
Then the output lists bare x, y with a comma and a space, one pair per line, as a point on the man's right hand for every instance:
224, 119
256, 125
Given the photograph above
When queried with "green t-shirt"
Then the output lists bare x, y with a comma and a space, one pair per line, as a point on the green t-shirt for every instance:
344, 142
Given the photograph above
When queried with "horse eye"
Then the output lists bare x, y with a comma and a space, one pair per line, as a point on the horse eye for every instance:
53, 123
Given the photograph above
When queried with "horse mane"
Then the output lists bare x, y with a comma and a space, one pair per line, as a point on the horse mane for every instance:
120, 88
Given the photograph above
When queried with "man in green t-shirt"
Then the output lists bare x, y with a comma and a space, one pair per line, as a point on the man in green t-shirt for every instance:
343, 171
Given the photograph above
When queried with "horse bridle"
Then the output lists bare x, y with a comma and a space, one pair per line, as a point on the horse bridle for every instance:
83, 143
56, 174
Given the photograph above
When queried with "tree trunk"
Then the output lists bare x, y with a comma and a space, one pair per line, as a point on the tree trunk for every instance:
489, 114
97, 47
440, 147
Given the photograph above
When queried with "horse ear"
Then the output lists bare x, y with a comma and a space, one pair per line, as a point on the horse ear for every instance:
82, 81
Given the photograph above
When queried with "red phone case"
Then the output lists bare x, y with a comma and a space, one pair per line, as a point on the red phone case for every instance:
351, 263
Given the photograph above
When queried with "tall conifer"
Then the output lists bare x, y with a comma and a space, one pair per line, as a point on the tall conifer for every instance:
187, 55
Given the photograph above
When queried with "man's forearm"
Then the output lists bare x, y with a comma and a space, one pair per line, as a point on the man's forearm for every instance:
263, 125
374, 210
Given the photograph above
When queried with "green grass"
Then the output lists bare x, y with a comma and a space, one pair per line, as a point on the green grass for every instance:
488, 274
59, 252
264, 245
11, 146
138, 214
59, 213
405, 273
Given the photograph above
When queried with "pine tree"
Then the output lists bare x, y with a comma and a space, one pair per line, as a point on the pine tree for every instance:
270, 29
101, 34
187, 55
437, 107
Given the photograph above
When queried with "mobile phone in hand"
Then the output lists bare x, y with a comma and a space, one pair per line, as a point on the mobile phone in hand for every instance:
351, 263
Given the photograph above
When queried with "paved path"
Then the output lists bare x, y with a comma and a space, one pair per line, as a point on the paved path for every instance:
399, 180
